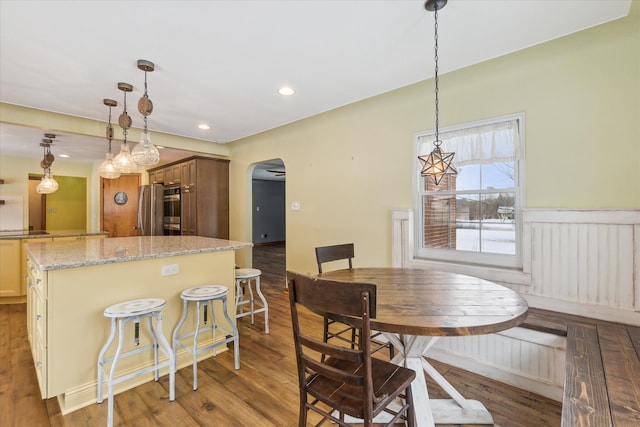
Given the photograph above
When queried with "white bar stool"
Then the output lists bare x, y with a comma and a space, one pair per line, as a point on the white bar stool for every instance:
204, 296
123, 313
244, 276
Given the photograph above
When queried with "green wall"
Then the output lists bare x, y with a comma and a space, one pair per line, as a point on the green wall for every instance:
350, 167
16, 170
67, 207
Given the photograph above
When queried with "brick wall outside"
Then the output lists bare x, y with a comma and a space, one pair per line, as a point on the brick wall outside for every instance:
440, 215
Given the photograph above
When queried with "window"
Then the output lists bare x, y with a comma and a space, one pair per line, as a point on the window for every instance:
474, 216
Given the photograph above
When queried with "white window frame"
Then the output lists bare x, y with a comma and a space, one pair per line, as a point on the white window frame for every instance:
461, 256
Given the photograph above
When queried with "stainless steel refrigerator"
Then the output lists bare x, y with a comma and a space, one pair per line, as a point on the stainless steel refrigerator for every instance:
150, 210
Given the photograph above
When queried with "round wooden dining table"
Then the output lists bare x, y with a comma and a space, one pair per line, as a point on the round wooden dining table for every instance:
415, 307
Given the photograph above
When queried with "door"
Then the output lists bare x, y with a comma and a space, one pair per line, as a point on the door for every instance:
37, 205
119, 215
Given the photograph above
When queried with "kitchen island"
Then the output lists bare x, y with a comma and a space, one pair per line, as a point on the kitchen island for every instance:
71, 283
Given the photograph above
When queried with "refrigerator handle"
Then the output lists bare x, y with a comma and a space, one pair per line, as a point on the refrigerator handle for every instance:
140, 206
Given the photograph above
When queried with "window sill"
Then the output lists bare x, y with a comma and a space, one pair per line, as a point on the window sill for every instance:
497, 274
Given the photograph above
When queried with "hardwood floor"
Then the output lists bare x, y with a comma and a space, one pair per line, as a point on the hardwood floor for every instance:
264, 392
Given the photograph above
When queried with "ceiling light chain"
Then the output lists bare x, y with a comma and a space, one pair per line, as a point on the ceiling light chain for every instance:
436, 164
123, 161
107, 168
436, 78
145, 153
47, 185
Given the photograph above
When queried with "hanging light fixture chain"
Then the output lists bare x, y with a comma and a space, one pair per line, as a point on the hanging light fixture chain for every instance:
109, 130
436, 78
145, 83
124, 129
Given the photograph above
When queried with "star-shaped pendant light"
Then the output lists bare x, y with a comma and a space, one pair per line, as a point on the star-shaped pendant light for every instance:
437, 164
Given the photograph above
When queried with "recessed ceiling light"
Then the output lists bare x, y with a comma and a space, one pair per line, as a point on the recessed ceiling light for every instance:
286, 91
66, 156
204, 126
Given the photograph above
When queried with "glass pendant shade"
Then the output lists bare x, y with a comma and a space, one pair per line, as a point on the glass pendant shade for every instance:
108, 169
145, 153
437, 164
47, 185
124, 161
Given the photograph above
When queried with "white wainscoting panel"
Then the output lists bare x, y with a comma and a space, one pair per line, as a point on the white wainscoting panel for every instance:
523, 358
585, 257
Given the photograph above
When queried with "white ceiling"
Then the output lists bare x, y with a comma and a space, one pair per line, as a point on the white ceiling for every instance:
222, 62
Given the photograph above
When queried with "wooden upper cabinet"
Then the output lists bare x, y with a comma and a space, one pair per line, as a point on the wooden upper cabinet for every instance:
167, 175
172, 175
204, 199
188, 174
156, 177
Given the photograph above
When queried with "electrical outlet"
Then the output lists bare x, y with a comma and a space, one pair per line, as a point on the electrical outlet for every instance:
169, 270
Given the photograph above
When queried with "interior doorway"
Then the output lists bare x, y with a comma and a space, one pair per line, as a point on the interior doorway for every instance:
37, 205
268, 182
119, 205
268, 219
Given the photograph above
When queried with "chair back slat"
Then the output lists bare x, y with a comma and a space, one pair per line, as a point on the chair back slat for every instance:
334, 253
343, 353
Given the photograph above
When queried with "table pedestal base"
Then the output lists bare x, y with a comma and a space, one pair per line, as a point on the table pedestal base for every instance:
458, 410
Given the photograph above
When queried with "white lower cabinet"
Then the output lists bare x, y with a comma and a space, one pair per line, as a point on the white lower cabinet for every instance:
37, 321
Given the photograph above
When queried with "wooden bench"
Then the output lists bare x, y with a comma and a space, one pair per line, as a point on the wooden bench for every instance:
602, 369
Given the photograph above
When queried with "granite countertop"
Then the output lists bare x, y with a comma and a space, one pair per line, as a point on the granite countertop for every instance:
34, 234
80, 253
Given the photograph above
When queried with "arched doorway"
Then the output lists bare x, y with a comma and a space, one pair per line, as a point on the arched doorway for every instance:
268, 218
268, 202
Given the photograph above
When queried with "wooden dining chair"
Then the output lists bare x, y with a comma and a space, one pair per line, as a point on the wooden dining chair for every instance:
346, 381
332, 253
346, 251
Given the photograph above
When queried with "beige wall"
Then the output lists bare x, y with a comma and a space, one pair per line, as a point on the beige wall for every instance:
351, 166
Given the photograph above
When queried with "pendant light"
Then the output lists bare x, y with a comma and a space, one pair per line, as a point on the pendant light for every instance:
145, 153
123, 161
47, 185
107, 168
436, 164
